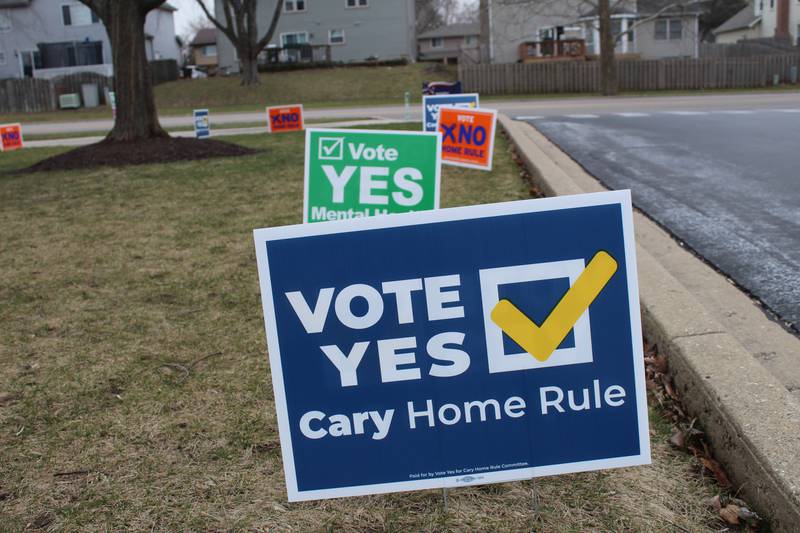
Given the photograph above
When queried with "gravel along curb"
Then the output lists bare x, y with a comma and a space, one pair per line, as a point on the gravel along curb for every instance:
749, 414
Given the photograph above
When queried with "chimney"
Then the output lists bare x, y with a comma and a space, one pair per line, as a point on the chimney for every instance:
782, 21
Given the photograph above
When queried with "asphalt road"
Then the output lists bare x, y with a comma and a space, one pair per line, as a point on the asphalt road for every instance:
725, 181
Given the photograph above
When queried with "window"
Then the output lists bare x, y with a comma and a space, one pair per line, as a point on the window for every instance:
294, 6
436, 42
2, 57
676, 29
70, 54
210, 50
661, 30
669, 29
470, 40
5, 23
336, 37
357, 3
294, 38
78, 15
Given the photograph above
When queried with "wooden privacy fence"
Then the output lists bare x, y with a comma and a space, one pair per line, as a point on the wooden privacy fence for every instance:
26, 96
31, 95
634, 75
71, 83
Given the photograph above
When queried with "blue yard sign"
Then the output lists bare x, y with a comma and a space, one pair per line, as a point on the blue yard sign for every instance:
431, 104
202, 124
455, 347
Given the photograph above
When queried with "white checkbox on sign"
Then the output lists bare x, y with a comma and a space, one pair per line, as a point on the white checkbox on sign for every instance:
331, 148
493, 278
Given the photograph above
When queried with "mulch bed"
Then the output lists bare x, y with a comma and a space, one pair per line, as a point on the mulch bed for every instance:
118, 154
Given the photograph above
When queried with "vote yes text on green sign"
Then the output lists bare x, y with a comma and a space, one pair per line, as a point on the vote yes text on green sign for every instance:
359, 173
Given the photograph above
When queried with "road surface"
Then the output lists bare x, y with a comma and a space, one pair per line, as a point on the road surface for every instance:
527, 107
724, 180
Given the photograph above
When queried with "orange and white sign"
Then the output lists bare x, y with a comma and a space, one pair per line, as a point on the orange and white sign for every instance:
285, 118
467, 136
11, 135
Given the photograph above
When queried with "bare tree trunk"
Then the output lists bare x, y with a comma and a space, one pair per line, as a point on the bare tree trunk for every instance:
485, 38
608, 65
250, 70
136, 110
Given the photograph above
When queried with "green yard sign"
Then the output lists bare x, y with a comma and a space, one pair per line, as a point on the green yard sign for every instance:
360, 173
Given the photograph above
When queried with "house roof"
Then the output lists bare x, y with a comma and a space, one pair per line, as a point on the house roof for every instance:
651, 7
204, 36
452, 30
14, 3
746, 18
166, 6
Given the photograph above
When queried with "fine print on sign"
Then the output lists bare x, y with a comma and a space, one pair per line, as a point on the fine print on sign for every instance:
10, 137
455, 347
360, 173
202, 124
432, 103
467, 137
285, 118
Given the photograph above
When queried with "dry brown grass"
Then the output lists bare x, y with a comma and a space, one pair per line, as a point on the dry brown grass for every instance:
114, 281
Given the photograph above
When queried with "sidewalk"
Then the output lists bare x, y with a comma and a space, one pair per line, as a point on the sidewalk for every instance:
83, 141
735, 369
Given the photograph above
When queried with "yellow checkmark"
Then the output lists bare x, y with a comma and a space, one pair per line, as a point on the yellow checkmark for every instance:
542, 341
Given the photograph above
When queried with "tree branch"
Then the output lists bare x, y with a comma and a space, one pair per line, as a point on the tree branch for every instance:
227, 30
276, 15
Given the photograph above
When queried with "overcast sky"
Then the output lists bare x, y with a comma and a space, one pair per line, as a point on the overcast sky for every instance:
188, 11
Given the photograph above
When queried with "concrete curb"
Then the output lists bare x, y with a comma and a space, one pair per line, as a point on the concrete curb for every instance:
749, 415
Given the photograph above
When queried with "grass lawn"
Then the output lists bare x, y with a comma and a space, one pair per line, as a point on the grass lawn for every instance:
315, 88
134, 381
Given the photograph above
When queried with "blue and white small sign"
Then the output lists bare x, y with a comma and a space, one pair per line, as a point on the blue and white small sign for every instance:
202, 123
431, 104
455, 347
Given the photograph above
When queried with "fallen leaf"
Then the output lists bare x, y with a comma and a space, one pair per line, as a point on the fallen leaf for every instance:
719, 474
747, 515
678, 439
714, 503
730, 513
670, 389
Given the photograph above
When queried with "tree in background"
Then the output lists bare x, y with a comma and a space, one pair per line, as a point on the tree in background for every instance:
458, 11
427, 14
433, 14
715, 12
240, 25
133, 88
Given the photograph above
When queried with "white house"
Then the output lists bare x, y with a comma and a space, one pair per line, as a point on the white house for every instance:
762, 19
650, 29
48, 38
